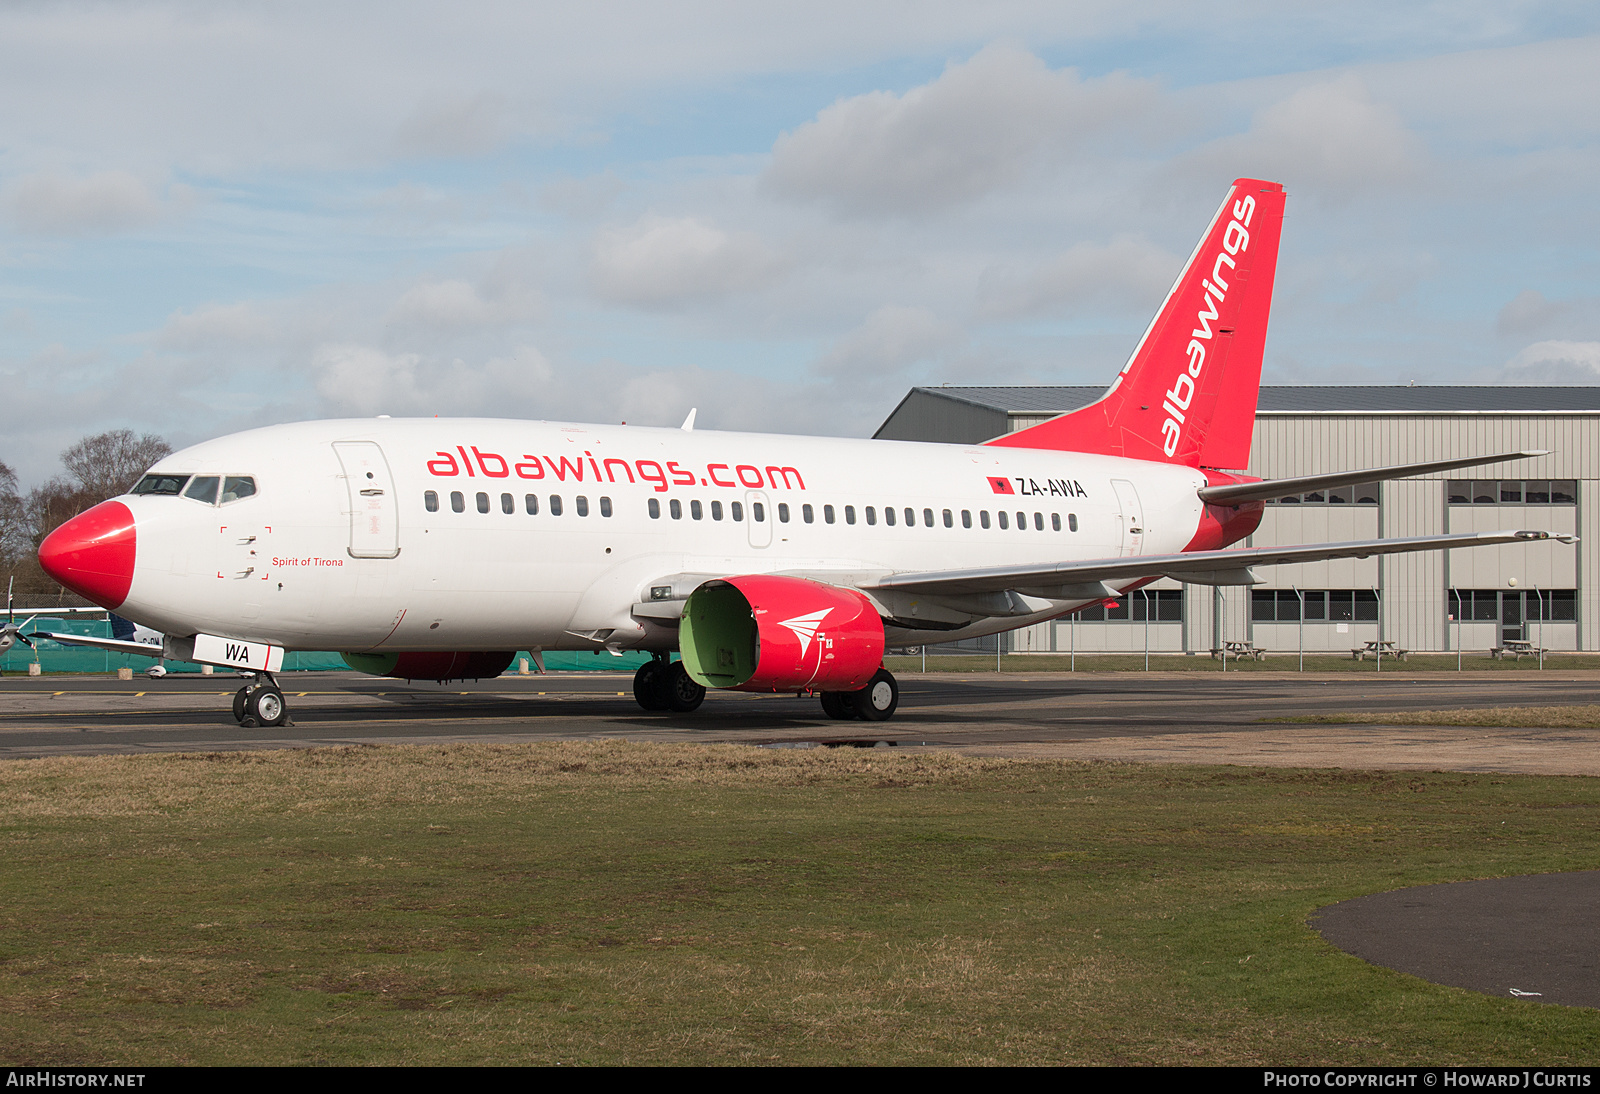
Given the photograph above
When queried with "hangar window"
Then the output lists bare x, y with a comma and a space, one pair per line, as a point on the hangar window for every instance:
555, 505
458, 503
483, 502
1141, 605
508, 504
582, 505
716, 510
1365, 493
1512, 606
160, 484
655, 509
1512, 491
1320, 605
430, 500
530, 502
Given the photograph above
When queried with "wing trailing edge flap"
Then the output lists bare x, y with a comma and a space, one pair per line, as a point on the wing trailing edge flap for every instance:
1073, 580
1232, 493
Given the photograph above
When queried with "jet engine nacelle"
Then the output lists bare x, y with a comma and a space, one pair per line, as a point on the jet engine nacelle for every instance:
431, 666
765, 633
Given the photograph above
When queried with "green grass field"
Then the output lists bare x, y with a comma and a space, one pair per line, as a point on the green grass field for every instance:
633, 903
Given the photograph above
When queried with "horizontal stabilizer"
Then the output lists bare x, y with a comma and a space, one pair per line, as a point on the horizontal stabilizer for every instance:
1276, 488
1206, 566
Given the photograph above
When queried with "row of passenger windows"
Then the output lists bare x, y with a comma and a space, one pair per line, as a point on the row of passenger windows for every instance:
758, 511
869, 513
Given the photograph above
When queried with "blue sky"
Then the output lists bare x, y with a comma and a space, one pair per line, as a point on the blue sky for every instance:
215, 216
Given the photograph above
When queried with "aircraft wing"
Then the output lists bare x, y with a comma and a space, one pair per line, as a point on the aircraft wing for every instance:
1077, 580
115, 645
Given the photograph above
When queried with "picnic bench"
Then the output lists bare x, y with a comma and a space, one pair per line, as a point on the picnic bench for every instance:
1376, 648
1517, 648
1239, 651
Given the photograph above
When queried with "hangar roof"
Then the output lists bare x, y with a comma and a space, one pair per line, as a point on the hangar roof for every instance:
1328, 398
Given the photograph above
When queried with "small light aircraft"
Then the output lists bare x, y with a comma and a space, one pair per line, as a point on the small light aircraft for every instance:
434, 548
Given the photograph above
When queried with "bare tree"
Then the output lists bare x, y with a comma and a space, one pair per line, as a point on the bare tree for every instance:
14, 538
108, 464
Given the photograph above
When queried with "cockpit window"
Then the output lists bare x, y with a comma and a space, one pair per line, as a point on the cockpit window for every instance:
203, 488
235, 487
160, 484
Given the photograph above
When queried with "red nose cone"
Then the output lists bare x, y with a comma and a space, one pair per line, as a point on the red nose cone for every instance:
92, 554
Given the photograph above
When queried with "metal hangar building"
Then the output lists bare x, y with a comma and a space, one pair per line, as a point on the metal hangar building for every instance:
1547, 592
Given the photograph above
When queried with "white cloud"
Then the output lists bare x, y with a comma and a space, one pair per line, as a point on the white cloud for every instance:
51, 204
222, 324
1127, 271
892, 339
458, 305
661, 262
448, 126
1329, 139
1555, 362
363, 380
975, 128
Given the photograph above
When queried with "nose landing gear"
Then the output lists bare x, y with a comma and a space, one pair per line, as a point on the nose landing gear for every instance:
666, 685
261, 703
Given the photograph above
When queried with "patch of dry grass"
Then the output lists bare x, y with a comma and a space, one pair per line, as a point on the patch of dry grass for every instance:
1555, 717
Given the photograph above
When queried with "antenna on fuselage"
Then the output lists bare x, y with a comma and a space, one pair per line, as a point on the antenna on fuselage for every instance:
688, 423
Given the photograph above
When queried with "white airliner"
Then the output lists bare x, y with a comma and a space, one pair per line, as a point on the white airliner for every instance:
433, 548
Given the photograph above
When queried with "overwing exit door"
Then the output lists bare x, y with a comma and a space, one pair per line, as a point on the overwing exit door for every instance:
374, 531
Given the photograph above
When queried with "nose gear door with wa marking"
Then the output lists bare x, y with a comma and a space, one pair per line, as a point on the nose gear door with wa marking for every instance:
374, 531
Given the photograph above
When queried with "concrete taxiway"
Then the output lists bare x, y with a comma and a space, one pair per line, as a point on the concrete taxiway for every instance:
1152, 717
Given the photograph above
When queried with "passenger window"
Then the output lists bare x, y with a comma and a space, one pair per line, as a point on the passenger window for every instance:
983, 518
888, 515
827, 513
872, 515
1022, 522
655, 509
1001, 516
555, 505
966, 518
675, 507
508, 504
696, 511
203, 488
911, 517
458, 503
1055, 521
1038, 522
949, 521
530, 502
235, 487
758, 512
849, 514
430, 500
783, 512
582, 505
483, 502
927, 518
808, 514
605, 507
716, 510
736, 510
1072, 522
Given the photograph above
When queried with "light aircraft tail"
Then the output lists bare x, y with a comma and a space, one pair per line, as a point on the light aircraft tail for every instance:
1188, 393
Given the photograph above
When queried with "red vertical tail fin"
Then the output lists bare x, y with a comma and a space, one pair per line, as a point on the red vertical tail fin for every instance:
1188, 393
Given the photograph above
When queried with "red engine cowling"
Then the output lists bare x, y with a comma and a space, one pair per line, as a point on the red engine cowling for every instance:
764, 633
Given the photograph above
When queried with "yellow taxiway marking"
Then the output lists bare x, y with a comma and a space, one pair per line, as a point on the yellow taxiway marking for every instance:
138, 695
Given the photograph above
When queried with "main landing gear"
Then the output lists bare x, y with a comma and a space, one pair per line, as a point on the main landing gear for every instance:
873, 703
666, 685
261, 703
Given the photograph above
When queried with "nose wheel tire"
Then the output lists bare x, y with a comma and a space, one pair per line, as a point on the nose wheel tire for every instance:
838, 705
877, 701
260, 705
240, 697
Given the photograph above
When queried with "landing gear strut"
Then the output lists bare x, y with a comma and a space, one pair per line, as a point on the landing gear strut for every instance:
874, 703
666, 685
261, 703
